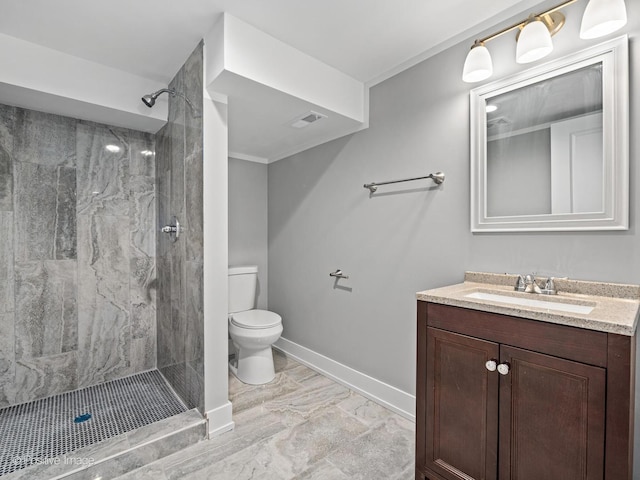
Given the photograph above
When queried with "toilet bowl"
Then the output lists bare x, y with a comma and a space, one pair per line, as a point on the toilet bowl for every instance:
252, 331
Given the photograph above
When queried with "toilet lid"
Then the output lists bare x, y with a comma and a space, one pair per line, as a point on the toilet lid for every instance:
256, 319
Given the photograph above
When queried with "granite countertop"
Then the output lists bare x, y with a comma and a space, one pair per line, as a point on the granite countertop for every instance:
615, 307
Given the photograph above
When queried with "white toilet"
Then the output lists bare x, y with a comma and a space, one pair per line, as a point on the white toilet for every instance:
252, 331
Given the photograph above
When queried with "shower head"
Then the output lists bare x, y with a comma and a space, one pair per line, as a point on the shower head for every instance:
150, 99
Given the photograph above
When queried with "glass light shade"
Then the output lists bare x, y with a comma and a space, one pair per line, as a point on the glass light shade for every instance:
478, 65
603, 17
534, 42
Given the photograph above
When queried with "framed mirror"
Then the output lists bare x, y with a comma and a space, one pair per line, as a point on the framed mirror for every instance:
550, 146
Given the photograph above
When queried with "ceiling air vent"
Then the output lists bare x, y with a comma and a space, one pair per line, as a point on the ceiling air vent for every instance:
306, 119
498, 122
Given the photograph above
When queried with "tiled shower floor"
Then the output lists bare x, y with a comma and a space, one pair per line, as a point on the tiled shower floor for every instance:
43, 429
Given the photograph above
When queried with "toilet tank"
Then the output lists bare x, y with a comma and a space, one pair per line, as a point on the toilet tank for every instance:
242, 288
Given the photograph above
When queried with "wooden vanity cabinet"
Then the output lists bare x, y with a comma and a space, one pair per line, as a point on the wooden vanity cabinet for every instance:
560, 409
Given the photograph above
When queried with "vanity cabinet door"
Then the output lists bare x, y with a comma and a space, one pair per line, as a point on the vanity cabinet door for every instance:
461, 407
552, 418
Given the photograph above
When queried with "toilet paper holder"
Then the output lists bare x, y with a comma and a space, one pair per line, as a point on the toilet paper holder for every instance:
338, 274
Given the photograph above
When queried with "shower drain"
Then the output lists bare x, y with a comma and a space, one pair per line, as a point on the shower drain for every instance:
31, 433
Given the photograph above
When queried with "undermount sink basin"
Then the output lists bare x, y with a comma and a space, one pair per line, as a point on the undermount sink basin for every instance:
548, 303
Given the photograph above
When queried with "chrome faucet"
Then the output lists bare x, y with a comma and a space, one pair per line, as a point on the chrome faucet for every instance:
549, 287
528, 284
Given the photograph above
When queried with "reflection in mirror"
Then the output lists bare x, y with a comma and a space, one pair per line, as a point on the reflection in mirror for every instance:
544, 143
550, 145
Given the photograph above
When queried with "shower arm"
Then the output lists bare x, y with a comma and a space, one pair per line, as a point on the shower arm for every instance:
170, 91
150, 99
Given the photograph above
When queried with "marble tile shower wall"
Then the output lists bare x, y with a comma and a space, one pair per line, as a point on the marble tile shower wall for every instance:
180, 264
77, 255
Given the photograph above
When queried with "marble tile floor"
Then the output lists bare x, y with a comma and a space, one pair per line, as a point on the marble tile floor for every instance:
300, 426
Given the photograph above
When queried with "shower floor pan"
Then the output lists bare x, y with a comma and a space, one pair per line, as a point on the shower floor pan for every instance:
37, 432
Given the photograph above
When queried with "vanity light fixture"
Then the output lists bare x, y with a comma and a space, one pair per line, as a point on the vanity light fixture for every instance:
478, 65
601, 17
534, 41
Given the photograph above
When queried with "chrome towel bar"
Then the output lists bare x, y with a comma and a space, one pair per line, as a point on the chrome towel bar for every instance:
437, 177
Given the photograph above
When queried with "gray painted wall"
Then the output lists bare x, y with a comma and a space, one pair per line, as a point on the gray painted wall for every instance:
77, 255
411, 237
248, 220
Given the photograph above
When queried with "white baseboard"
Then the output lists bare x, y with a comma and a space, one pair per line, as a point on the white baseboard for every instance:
219, 420
386, 395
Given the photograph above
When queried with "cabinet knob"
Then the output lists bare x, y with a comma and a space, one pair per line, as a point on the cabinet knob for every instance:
503, 368
491, 365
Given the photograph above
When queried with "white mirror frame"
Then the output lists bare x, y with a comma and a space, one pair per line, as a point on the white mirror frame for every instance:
614, 57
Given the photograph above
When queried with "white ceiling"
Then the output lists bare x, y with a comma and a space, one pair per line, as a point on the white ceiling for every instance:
369, 40
365, 39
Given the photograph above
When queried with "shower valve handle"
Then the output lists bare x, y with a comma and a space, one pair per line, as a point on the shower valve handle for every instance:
173, 230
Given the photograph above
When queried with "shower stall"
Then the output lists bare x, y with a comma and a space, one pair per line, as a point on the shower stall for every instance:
101, 314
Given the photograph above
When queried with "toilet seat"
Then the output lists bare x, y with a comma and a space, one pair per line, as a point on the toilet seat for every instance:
256, 319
